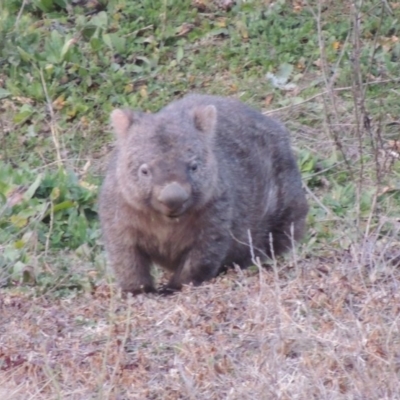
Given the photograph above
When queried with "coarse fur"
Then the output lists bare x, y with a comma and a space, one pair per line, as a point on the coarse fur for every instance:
187, 188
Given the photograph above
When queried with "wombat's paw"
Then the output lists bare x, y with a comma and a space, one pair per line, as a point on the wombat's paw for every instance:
140, 290
167, 290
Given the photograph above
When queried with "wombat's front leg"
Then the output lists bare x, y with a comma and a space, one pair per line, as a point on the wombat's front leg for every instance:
131, 266
198, 266
205, 259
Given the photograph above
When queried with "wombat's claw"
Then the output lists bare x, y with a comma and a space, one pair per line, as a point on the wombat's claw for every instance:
165, 290
141, 290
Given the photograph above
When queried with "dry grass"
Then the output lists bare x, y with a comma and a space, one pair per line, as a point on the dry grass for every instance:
320, 329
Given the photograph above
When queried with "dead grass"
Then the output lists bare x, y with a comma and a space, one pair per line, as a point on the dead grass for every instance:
319, 329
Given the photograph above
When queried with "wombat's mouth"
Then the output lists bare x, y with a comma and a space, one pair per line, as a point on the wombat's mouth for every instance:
175, 215
171, 213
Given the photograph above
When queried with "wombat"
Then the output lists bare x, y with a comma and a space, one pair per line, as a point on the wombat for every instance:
204, 183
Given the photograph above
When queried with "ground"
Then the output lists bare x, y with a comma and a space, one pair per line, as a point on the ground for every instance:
321, 322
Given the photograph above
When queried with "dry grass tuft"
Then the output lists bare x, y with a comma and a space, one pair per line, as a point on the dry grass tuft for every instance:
323, 330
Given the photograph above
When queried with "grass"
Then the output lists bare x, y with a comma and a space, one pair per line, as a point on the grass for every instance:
321, 323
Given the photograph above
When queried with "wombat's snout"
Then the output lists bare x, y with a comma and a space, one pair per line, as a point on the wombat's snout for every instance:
173, 196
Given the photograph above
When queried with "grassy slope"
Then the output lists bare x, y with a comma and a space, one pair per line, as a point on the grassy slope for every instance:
321, 323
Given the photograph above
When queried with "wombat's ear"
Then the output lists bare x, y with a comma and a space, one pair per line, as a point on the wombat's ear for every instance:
121, 120
205, 118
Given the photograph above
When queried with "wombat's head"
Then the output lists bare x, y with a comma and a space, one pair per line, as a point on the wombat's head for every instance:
165, 161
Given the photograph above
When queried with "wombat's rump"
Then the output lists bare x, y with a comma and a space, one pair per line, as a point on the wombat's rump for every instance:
187, 187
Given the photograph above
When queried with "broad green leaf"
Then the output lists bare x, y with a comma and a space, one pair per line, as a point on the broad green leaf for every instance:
179, 54
32, 189
63, 206
90, 31
118, 42
45, 5
18, 268
19, 244
22, 272
100, 20
107, 40
11, 253
219, 31
308, 165
25, 55
55, 193
4, 93
95, 43
19, 221
284, 72
65, 48
61, 3
25, 112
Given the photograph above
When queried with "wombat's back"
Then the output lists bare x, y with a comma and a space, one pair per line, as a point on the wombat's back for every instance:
257, 164
247, 141
254, 149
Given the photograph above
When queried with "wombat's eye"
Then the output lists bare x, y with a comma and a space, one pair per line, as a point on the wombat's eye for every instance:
144, 170
193, 166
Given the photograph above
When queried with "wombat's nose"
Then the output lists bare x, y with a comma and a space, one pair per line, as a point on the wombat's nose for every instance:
173, 196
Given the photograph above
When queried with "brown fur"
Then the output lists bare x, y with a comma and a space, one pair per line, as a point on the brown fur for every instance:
186, 185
